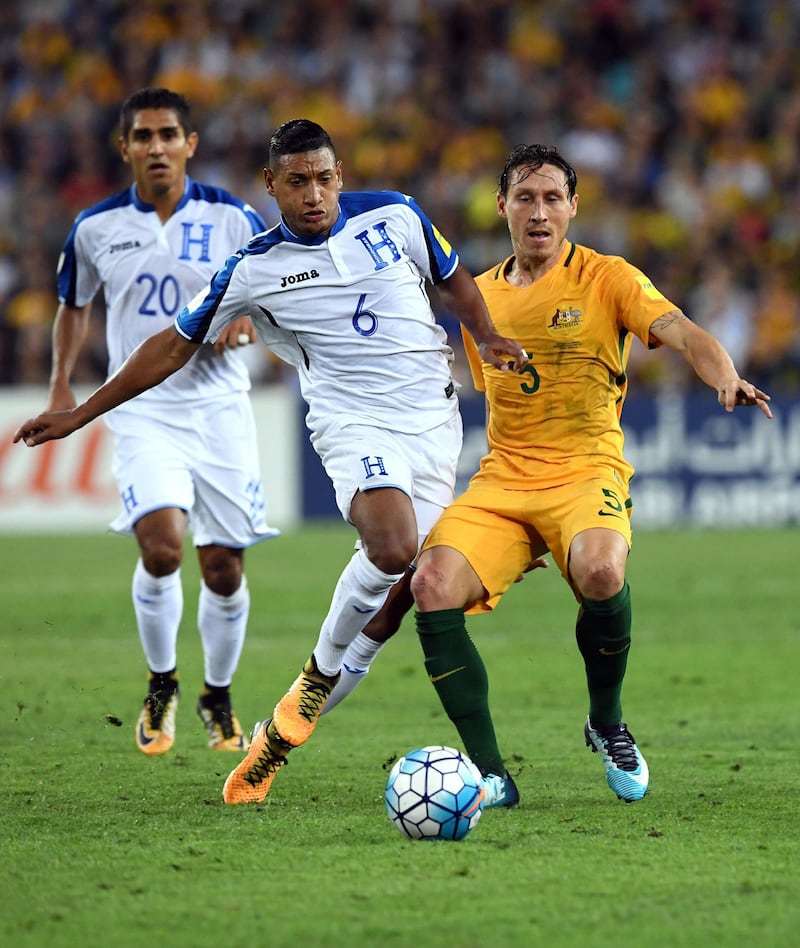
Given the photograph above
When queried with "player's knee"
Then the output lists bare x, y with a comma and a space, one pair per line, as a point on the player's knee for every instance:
222, 569
600, 579
430, 588
392, 554
160, 557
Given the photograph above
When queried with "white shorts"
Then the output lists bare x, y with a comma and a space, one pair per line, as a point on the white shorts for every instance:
201, 459
423, 466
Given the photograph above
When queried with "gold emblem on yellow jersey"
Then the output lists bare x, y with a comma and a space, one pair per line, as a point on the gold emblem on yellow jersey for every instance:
565, 319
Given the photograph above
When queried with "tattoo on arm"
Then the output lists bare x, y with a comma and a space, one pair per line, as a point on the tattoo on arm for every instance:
668, 319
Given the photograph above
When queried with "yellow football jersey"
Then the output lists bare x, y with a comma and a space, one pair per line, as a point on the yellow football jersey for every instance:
561, 415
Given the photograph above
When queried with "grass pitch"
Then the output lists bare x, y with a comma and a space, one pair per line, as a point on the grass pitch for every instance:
101, 846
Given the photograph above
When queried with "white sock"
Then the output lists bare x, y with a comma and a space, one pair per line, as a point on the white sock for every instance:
222, 621
359, 594
357, 659
158, 604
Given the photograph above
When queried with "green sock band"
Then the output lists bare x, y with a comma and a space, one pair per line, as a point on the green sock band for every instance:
458, 674
603, 633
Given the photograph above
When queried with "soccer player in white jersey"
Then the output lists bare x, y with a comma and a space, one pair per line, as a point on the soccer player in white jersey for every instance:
338, 289
184, 452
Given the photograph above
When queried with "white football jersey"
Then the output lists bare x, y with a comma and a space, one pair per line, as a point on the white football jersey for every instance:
350, 312
149, 271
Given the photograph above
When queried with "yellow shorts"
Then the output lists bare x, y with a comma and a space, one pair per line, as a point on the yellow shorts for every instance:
500, 531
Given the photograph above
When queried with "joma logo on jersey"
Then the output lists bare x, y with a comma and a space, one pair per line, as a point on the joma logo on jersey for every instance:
566, 319
125, 245
294, 278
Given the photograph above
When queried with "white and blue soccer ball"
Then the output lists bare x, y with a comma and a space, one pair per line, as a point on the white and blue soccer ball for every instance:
434, 792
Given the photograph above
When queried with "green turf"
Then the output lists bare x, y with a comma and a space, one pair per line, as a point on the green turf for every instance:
101, 846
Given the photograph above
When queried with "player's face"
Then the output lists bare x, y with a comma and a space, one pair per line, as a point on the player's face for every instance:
538, 209
157, 149
306, 187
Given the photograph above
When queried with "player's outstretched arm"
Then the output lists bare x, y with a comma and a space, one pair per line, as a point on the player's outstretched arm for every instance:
152, 362
710, 360
462, 297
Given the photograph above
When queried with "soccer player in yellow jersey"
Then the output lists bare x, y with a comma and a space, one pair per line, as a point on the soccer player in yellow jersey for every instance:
555, 476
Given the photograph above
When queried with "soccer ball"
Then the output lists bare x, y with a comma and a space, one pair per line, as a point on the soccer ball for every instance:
434, 792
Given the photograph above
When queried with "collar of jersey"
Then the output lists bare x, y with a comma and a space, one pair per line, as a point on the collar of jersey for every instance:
141, 205
313, 241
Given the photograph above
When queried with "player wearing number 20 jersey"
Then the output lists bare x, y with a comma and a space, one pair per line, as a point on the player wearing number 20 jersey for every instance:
185, 456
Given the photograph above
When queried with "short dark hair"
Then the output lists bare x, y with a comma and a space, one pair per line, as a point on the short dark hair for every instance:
295, 137
533, 157
154, 98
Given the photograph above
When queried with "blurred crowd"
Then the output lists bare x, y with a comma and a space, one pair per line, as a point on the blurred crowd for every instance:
682, 118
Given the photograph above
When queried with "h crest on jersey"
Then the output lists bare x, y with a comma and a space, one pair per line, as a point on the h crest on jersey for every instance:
374, 249
374, 466
565, 319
